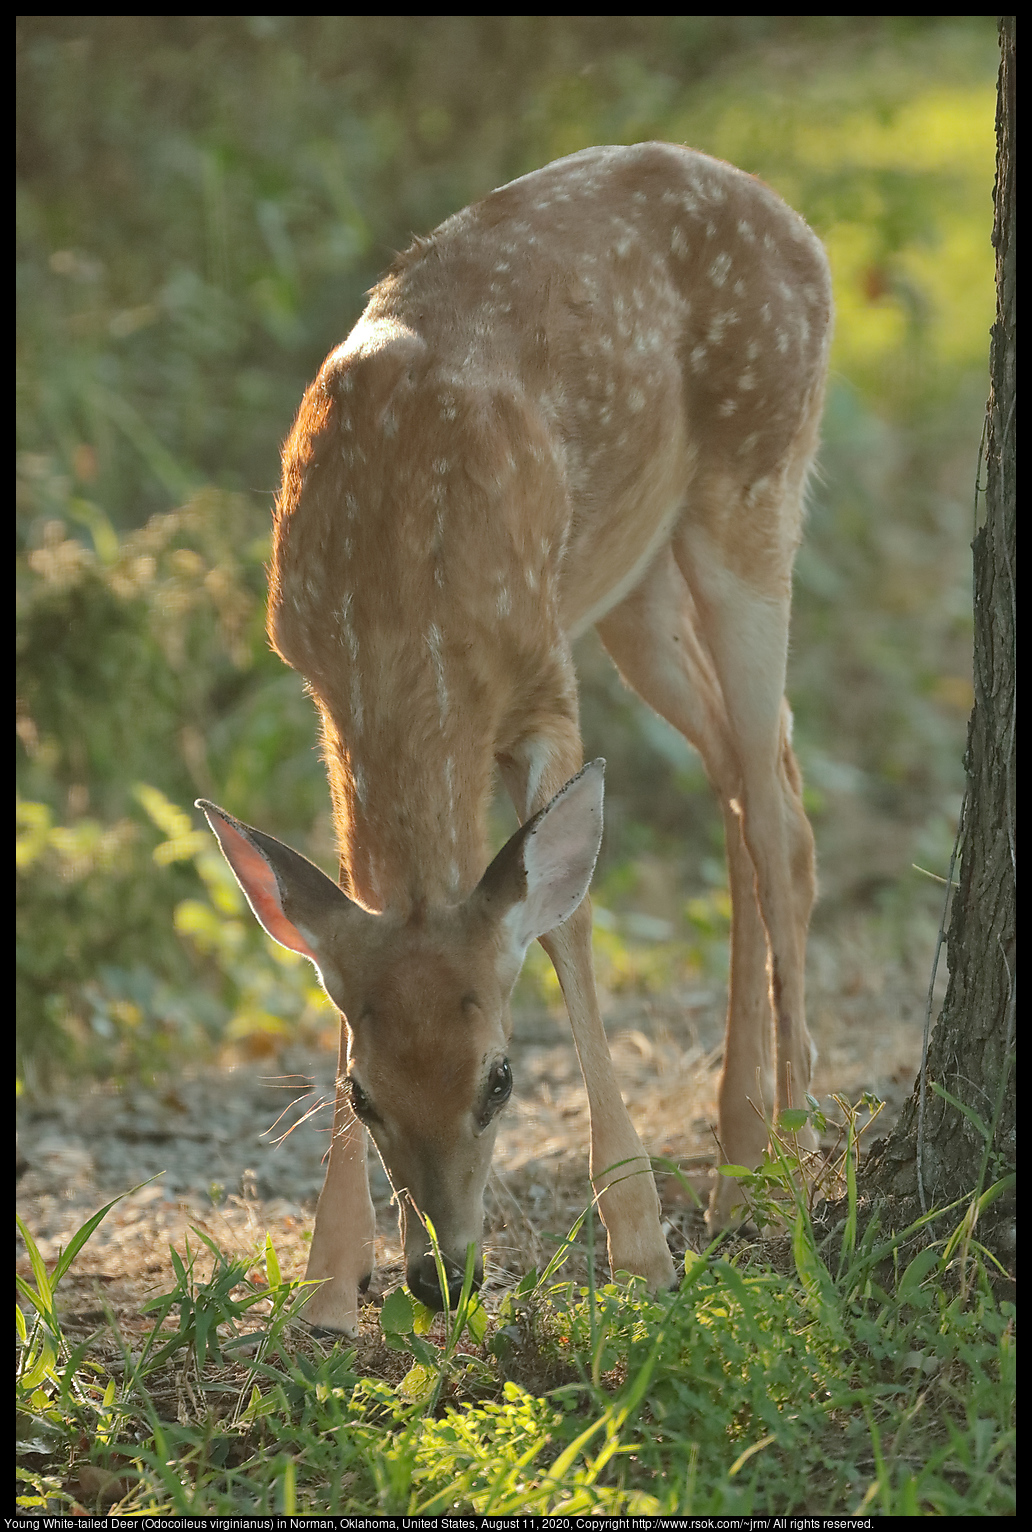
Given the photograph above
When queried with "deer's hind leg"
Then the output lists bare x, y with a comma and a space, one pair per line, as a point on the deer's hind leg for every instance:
742, 616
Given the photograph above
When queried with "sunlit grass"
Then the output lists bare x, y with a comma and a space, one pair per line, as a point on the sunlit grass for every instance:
845, 1377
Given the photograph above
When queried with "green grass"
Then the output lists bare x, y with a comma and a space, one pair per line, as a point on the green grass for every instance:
798, 1376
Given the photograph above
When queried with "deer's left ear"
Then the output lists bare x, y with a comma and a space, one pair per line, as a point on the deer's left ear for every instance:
542, 872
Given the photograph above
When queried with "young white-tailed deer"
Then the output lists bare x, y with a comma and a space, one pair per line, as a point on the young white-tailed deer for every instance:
592, 398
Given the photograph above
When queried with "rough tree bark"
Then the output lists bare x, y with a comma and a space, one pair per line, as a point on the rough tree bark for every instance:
937, 1153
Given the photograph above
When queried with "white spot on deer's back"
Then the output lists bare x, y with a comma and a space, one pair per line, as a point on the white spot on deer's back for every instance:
449, 782
344, 622
720, 268
757, 490
718, 324
433, 640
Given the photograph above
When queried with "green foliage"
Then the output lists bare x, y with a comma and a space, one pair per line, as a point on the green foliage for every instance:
144, 678
65, 1404
96, 959
241, 988
436, 1368
204, 1306
130, 660
58, 1390
889, 1387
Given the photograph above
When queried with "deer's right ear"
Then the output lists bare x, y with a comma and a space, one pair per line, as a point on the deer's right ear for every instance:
291, 897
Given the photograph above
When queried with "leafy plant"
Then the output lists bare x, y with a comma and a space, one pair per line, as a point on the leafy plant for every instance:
852, 1378
204, 1306
406, 1325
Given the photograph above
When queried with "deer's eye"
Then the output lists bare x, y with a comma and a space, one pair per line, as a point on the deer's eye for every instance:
360, 1103
499, 1087
497, 1093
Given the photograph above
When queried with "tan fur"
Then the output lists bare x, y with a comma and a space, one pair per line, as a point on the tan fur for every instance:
593, 397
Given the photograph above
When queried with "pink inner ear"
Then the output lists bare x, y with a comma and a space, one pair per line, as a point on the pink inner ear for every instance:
259, 883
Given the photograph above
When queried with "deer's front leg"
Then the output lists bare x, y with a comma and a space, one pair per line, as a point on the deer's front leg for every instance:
620, 1169
342, 1253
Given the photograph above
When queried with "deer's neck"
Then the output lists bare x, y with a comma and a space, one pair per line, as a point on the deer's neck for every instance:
411, 788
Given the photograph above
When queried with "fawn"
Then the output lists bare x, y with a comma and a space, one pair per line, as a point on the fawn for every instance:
591, 398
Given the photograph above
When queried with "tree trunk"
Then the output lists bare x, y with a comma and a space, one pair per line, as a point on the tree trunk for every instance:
937, 1152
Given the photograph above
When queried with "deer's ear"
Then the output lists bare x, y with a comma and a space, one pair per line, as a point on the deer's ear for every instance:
298, 905
542, 873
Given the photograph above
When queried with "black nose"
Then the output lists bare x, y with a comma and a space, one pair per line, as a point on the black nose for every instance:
425, 1285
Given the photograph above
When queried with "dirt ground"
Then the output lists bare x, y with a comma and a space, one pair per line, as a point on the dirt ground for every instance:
215, 1141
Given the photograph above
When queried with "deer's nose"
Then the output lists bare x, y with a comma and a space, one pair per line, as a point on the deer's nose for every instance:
425, 1285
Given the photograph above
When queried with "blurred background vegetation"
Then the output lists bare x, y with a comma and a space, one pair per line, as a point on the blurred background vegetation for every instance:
202, 204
